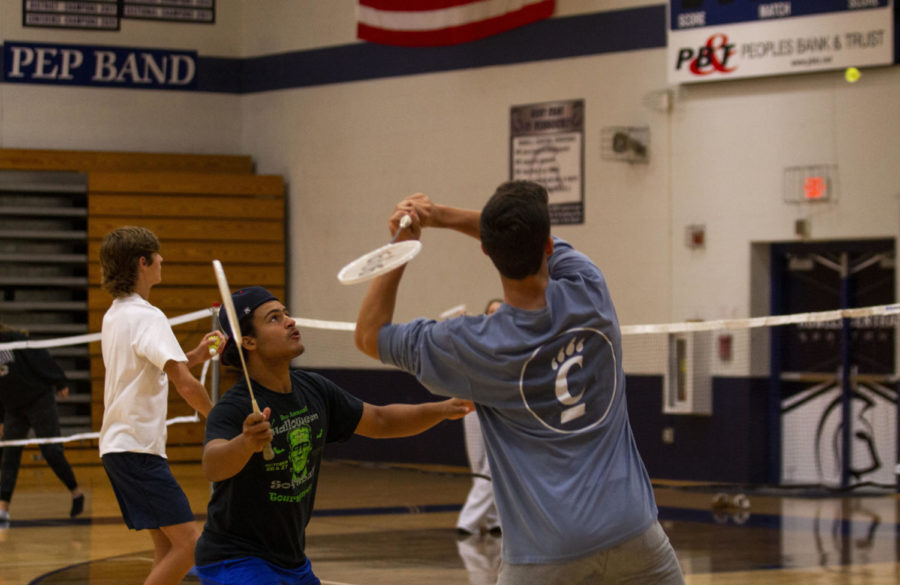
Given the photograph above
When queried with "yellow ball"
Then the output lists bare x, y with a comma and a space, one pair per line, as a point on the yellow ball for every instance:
852, 74
214, 344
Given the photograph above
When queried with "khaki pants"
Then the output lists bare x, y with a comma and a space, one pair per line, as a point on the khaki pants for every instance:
647, 559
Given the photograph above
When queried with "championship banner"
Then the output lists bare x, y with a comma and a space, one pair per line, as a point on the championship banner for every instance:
712, 40
107, 15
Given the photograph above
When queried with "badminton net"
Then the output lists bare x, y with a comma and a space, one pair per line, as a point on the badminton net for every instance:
826, 371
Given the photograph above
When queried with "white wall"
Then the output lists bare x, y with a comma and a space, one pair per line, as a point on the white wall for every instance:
277, 26
731, 144
350, 151
55, 117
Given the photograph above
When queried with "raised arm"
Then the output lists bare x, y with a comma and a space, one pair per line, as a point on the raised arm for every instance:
378, 305
404, 420
377, 309
429, 214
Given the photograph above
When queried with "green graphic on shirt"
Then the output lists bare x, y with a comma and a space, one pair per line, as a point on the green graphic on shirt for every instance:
301, 445
293, 474
293, 414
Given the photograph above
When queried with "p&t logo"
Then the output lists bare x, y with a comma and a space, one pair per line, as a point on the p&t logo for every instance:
711, 57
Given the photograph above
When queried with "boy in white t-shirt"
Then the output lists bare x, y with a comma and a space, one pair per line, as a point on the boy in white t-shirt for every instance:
142, 355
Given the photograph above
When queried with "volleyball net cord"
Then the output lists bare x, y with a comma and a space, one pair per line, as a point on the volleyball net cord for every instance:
890, 310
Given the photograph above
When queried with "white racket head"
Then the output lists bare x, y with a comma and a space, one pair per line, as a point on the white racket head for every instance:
380, 261
227, 303
453, 312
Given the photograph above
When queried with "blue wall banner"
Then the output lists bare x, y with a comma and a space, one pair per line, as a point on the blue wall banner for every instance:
133, 68
710, 40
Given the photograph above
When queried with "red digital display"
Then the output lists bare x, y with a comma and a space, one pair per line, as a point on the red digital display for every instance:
815, 187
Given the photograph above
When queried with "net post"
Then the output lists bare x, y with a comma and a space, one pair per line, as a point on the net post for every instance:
776, 365
216, 372
897, 437
845, 374
216, 365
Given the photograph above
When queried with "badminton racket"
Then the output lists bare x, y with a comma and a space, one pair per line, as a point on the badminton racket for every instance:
228, 305
381, 260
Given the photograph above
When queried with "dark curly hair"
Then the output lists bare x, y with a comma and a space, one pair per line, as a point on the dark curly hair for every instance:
514, 226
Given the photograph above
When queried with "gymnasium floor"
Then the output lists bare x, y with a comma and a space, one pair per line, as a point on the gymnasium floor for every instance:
378, 526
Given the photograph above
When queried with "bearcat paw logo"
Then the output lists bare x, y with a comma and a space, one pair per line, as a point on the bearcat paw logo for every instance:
576, 345
567, 358
570, 382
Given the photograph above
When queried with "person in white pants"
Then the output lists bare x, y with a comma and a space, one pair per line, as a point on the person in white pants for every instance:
479, 511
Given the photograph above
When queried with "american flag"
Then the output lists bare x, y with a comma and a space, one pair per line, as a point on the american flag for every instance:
429, 23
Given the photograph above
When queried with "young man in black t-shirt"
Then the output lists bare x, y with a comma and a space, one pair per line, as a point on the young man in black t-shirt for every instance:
257, 516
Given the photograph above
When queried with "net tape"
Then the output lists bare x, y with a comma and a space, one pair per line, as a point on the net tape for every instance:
768, 321
92, 337
685, 327
186, 318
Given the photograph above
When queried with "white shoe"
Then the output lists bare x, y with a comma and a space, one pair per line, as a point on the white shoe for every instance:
4, 517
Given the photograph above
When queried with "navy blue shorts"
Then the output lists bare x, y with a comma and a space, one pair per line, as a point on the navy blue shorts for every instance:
148, 494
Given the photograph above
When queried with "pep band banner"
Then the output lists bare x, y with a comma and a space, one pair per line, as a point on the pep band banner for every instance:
106, 66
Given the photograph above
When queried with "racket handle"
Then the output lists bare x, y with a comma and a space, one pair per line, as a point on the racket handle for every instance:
404, 223
268, 453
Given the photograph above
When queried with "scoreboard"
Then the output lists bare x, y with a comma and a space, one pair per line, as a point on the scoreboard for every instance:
717, 12
711, 40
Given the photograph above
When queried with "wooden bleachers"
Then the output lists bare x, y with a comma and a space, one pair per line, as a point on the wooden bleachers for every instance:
95, 161
201, 207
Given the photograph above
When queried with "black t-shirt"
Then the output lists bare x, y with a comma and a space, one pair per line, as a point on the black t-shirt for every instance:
264, 509
26, 374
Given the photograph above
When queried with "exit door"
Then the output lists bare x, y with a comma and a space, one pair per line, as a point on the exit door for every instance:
833, 381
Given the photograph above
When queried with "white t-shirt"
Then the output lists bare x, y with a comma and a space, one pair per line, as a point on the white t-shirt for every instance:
136, 341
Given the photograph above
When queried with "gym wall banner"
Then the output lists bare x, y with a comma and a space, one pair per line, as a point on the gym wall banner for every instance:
107, 15
547, 147
133, 68
711, 40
